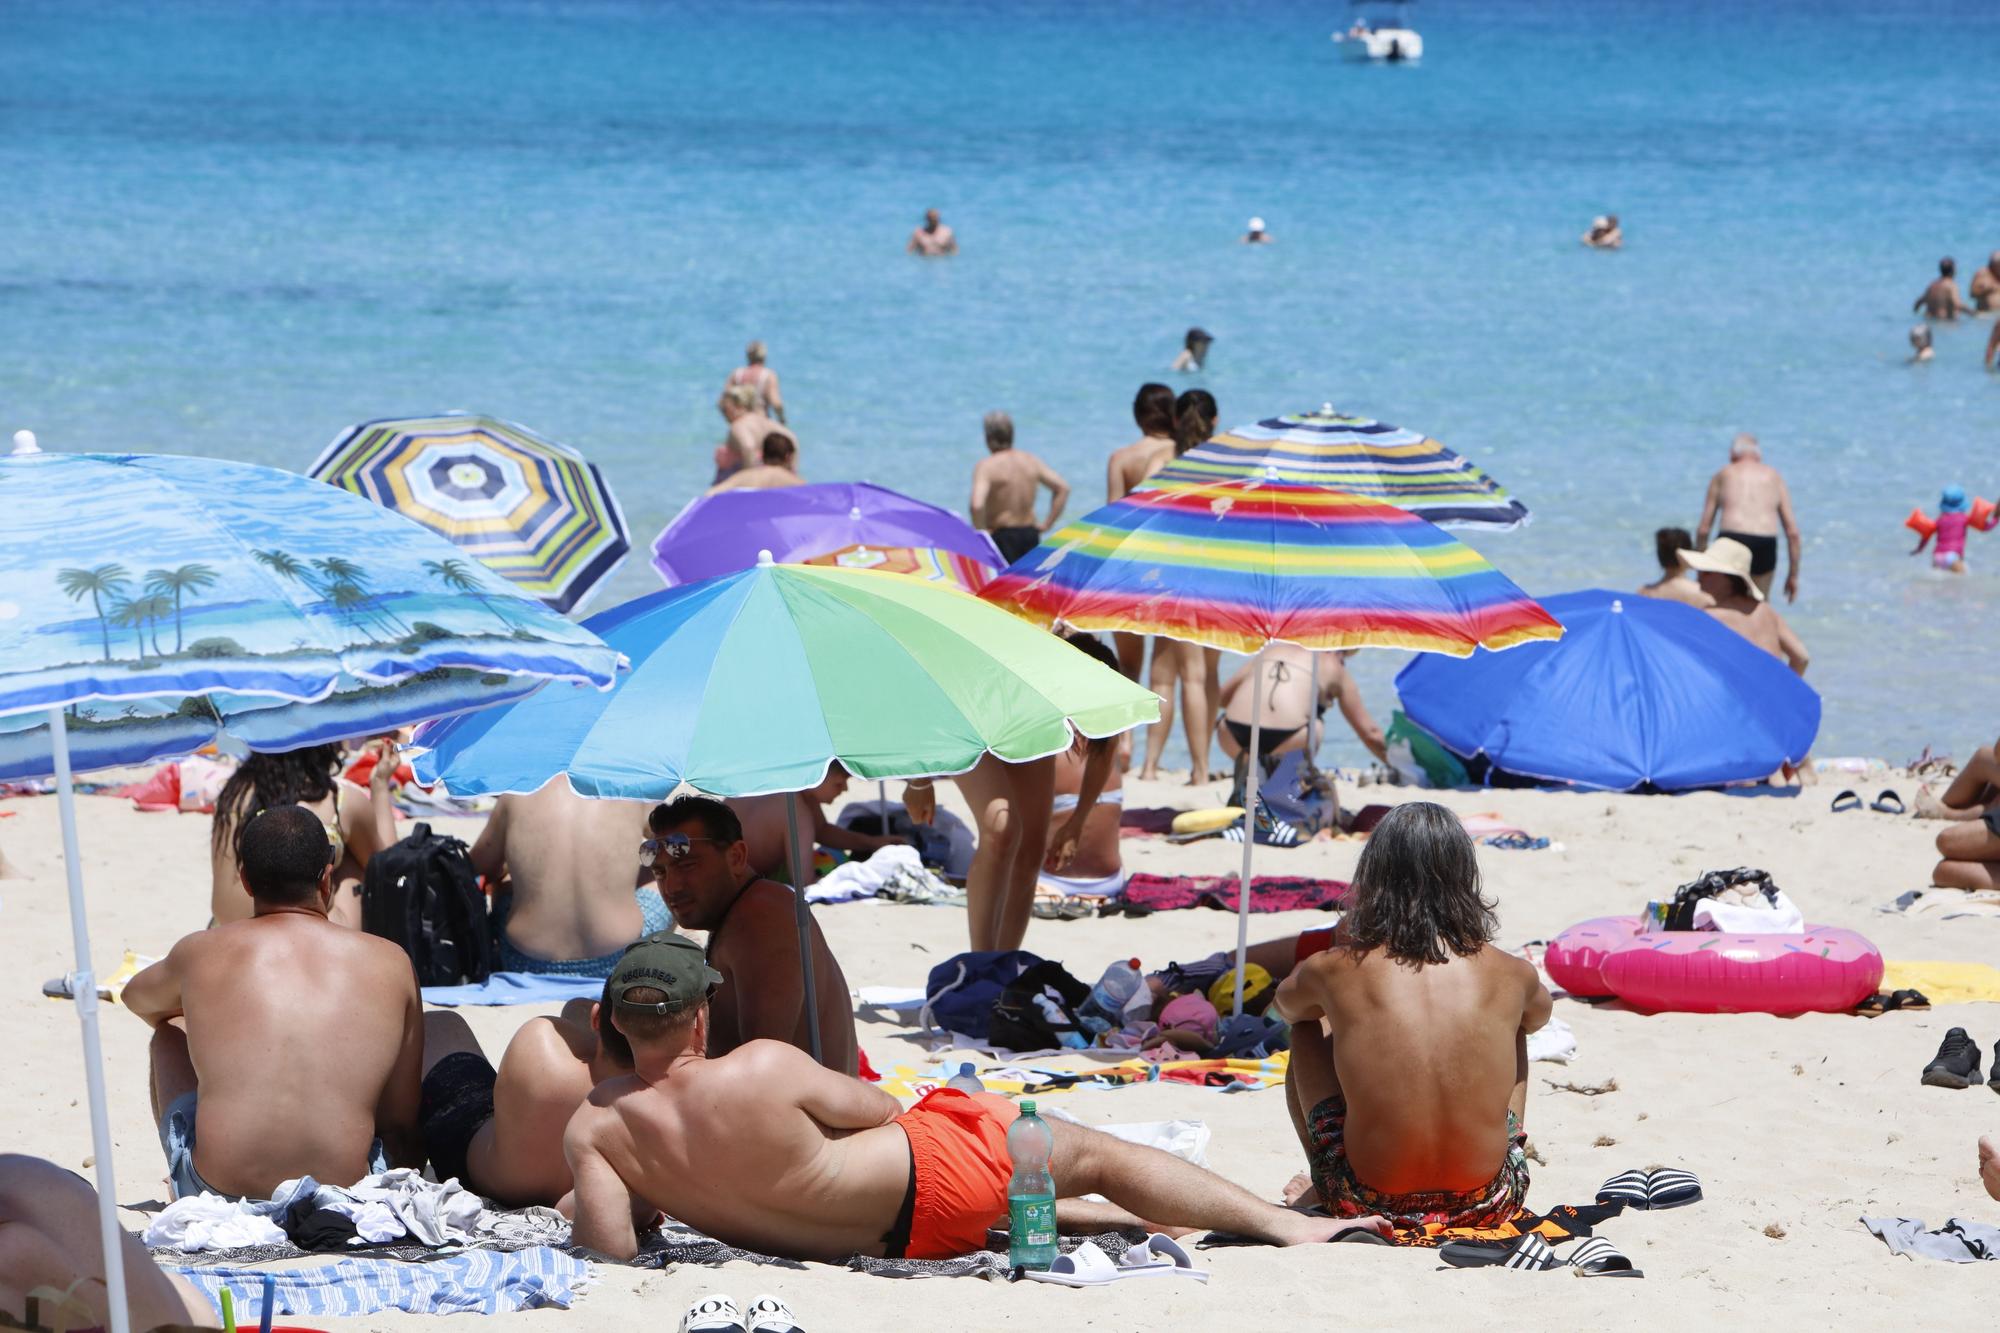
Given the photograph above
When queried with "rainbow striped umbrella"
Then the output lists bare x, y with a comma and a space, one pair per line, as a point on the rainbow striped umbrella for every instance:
533, 511
1240, 564
1362, 457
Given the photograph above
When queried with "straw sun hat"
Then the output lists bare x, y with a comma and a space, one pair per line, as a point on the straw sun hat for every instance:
1725, 555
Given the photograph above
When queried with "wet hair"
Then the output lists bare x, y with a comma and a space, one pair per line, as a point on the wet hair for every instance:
284, 854
779, 448
1416, 890
1197, 337
1668, 543
1194, 419
999, 431
717, 820
1153, 409
266, 781
1947, 266
744, 396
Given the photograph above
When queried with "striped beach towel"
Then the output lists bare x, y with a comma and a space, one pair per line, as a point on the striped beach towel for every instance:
476, 1282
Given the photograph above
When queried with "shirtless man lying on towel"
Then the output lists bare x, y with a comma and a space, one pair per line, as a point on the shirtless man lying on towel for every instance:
1410, 1093
766, 1149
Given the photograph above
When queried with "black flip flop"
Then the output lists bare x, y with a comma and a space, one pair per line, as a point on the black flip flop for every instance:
1670, 1187
1888, 803
1598, 1257
1627, 1187
1847, 800
1909, 999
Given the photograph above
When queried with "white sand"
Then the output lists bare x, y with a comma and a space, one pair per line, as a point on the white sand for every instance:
1796, 1127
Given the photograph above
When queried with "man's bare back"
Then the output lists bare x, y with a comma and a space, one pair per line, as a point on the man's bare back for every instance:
1748, 494
1004, 487
1678, 588
306, 1040
1430, 1060
572, 863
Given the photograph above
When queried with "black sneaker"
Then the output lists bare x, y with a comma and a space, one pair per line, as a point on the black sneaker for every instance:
1956, 1064
1994, 1082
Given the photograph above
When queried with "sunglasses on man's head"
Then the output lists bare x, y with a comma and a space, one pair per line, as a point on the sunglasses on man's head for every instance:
669, 847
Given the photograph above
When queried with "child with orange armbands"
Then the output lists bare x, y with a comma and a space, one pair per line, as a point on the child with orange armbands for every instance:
1955, 515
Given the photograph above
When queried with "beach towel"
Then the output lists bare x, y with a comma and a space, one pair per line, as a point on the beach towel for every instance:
516, 988
1152, 821
1958, 1241
1039, 1081
475, 1282
1944, 983
676, 1244
1555, 1226
1268, 893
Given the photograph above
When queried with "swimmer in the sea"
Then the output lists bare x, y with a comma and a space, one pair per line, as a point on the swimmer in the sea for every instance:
1605, 233
933, 239
1256, 235
1920, 343
1194, 349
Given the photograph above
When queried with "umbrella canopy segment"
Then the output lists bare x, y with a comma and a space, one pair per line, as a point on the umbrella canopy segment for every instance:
1239, 564
1368, 458
530, 509
923, 562
149, 576
755, 682
723, 533
1638, 692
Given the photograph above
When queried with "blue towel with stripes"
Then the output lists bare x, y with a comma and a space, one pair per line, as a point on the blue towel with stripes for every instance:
475, 1282
517, 988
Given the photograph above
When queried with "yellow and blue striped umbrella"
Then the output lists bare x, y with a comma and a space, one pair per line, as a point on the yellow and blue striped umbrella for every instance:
533, 511
1368, 458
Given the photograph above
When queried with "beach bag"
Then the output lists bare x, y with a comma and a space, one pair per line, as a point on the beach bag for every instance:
1418, 755
1038, 1011
1299, 794
961, 991
424, 894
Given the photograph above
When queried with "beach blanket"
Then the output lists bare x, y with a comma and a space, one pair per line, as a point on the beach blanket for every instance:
476, 1282
1015, 1079
1959, 1241
1556, 1225
1151, 821
676, 1244
516, 988
1268, 893
1944, 983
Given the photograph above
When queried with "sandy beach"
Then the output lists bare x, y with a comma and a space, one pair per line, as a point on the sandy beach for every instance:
1796, 1127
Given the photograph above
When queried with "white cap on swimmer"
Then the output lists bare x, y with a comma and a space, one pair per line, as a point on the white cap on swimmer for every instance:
1256, 224
24, 442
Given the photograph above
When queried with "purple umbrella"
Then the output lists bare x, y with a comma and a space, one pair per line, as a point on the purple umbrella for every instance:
722, 533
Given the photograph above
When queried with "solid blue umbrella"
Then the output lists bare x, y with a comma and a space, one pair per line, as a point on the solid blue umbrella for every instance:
154, 603
1638, 692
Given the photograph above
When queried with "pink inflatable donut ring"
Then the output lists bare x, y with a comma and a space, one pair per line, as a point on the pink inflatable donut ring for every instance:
1825, 970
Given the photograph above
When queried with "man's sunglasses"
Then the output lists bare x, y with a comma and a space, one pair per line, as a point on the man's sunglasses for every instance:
669, 847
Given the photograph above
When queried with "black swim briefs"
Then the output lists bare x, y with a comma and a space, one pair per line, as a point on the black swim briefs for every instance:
457, 1100
1763, 551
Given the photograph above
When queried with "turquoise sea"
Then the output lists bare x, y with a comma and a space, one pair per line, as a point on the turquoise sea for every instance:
235, 228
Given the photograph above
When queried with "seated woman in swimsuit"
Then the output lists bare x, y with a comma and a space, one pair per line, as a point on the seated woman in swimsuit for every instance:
1290, 712
1082, 858
1409, 1064
1971, 845
360, 821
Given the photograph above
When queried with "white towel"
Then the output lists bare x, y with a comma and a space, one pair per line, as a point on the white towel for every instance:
1783, 918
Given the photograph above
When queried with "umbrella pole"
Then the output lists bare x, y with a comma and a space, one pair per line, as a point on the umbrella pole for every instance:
1314, 719
801, 862
1252, 772
83, 982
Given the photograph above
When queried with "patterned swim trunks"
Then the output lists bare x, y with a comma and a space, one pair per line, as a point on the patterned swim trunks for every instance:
1499, 1200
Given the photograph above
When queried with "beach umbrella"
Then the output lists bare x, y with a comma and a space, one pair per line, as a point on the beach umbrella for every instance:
534, 511
1241, 564
135, 579
923, 562
725, 532
753, 683
1639, 692
1399, 467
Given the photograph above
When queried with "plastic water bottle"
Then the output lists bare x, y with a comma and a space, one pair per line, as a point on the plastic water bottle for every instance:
1118, 991
1031, 1192
965, 1080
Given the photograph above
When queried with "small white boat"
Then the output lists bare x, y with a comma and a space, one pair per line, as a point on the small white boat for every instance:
1381, 38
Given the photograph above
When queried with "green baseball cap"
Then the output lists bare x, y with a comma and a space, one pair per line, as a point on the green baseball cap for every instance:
670, 962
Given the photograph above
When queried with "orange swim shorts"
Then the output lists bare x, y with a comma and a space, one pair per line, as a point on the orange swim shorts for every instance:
958, 1152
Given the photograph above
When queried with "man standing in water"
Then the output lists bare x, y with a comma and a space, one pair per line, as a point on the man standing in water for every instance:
1941, 300
1753, 502
1986, 285
932, 240
1003, 491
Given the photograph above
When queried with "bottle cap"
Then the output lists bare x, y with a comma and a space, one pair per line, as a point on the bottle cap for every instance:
1027, 1108
1135, 964
965, 1068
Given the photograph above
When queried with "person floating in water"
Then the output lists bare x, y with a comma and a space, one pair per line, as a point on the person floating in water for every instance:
1941, 300
1256, 235
1920, 343
1605, 233
1194, 349
1955, 515
933, 240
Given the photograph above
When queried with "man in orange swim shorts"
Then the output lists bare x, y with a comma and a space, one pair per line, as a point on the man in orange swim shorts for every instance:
765, 1149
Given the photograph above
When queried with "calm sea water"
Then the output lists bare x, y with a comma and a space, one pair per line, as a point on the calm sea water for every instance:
234, 228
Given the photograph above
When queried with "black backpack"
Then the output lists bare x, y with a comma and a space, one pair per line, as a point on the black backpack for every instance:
424, 894
1036, 1011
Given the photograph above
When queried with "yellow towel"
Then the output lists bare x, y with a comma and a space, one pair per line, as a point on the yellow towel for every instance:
1944, 983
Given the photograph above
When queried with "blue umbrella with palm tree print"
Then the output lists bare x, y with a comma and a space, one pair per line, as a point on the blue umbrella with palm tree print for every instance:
153, 603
